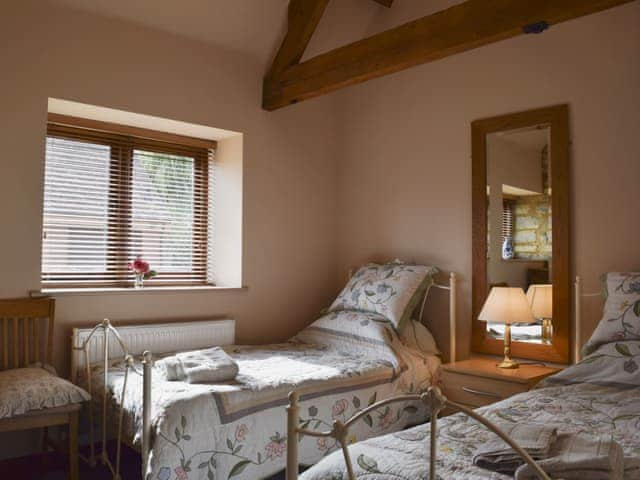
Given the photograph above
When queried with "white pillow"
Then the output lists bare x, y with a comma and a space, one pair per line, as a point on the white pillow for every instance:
26, 389
415, 335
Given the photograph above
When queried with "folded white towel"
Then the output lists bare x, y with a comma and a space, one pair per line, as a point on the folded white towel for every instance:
575, 456
198, 366
498, 456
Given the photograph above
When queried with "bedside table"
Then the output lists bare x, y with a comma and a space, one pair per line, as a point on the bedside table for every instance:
479, 381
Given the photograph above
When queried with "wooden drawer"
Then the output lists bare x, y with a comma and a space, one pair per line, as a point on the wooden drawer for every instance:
477, 391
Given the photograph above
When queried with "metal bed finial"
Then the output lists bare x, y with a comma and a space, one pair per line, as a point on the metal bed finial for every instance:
452, 288
434, 401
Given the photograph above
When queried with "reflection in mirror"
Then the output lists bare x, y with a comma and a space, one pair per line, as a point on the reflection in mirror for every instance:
519, 245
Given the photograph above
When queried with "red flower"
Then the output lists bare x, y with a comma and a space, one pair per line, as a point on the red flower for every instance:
139, 265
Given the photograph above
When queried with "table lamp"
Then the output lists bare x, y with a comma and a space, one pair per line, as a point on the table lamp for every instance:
506, 305
540, 298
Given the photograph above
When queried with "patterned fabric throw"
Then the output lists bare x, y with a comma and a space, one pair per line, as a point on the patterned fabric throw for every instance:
497, 455
579, 457
621, 317
392, 290
25, 389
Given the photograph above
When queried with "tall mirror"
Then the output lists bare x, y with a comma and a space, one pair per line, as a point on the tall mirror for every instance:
520, 226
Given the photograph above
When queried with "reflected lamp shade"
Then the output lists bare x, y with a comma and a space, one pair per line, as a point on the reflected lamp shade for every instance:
540, 298
506, 305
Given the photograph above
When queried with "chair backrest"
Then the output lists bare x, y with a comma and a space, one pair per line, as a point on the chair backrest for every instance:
26, 327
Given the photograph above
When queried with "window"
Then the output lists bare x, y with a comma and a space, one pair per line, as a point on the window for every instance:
112, 193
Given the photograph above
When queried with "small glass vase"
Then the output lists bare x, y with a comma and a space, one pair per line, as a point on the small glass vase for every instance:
139, 281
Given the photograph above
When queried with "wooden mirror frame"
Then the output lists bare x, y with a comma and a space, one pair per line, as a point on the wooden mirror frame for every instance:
557, 118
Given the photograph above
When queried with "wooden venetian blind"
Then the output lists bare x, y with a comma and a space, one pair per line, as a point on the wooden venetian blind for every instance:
507, 219
110, 196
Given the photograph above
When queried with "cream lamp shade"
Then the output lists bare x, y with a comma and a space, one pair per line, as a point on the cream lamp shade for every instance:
540, 298
506, 305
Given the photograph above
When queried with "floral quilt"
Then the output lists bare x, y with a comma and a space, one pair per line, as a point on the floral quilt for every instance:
600, 396
238, 429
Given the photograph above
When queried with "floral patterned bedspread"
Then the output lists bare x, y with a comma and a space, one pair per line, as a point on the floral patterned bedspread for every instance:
238, 429
600, 396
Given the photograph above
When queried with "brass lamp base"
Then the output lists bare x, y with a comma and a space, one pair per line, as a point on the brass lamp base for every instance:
507, 362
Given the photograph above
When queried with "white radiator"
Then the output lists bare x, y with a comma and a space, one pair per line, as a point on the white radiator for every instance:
155, 337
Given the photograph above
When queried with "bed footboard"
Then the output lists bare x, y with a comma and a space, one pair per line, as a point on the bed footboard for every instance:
104, 343
83, 346
434, 401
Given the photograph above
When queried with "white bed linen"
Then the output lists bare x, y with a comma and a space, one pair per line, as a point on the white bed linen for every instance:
237, 430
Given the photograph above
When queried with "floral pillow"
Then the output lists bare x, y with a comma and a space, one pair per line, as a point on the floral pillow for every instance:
26, 389
363, 333
621, 317
614, 364
392, 290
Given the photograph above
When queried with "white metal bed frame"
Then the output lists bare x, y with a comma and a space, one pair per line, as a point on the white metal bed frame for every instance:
434, 401
577, 328
452, 289
91, 345
87, 344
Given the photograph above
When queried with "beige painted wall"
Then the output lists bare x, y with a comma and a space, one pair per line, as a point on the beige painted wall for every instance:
289, 173
405, 171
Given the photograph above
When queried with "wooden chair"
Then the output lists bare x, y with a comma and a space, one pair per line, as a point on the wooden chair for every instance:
27, 337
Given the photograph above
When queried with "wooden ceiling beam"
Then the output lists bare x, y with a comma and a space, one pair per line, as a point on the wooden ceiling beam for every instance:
462, 27
303, 18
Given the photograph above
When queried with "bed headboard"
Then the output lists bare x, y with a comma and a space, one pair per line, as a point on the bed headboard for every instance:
155, 337
452, 289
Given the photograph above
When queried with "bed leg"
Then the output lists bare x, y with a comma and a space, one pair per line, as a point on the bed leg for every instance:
147, 365
293, 416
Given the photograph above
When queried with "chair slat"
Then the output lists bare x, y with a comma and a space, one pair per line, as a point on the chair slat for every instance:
5, 343
16, 344
26, 337
25, 341
48, 354
36, 339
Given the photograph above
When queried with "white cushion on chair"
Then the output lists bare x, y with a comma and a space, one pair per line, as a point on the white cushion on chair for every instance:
26, 389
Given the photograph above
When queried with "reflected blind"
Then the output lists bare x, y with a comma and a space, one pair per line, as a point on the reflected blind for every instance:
507, 219
110, 197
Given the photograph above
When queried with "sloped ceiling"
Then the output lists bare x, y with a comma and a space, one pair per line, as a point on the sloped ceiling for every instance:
251, 27
256, 27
